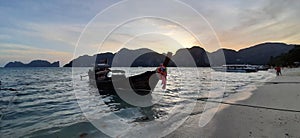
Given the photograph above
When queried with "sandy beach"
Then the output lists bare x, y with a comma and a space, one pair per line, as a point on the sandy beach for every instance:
273, 110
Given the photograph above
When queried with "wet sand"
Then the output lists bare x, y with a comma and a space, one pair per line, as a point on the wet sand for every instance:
273, 110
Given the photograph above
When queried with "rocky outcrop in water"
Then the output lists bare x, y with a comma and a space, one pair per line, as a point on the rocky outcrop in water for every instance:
34, 63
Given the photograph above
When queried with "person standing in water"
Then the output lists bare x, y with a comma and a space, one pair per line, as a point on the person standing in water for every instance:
162, 71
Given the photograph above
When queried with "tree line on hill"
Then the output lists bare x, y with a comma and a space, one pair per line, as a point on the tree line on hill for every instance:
290, 59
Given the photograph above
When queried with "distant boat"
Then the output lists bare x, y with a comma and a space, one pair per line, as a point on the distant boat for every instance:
262, 67
236, 68
108, 81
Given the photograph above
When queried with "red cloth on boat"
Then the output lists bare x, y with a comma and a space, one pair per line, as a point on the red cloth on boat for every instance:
162, 70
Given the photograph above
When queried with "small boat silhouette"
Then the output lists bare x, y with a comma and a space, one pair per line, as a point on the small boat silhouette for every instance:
109, 81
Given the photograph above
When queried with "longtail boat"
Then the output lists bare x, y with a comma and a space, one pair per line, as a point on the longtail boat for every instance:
109, 81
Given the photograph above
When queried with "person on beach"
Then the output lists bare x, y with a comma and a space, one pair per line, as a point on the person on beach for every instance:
278, 71
162, 71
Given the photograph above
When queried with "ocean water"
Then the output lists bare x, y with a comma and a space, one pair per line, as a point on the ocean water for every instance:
56, 102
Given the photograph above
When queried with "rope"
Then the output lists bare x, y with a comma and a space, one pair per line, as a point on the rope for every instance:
253, 106
278, 82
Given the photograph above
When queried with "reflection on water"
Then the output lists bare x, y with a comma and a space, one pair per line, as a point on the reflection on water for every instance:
50, 103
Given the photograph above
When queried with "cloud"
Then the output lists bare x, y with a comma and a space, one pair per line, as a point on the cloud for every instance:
4, 37
57, 25
52, 36
240, 24
66, 34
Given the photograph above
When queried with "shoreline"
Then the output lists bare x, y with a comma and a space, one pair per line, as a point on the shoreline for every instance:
272, 110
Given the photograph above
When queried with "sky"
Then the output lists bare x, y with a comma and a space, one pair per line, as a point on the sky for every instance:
62, 30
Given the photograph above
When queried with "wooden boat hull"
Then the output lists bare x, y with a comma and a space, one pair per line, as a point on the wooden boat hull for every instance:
236, 68
142, 84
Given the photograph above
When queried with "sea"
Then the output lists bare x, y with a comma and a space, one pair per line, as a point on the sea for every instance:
60, 102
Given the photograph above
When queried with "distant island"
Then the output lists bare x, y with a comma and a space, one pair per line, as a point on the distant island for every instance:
34, 63
261, 54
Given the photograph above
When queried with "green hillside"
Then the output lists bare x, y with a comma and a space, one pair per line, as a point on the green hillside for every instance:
292, 58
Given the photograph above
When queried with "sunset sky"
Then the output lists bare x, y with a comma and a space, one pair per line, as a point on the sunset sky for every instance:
57, 30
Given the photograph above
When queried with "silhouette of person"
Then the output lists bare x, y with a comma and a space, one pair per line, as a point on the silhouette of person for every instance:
278, 71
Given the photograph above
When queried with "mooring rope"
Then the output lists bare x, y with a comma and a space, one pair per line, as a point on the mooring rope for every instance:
252, 106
